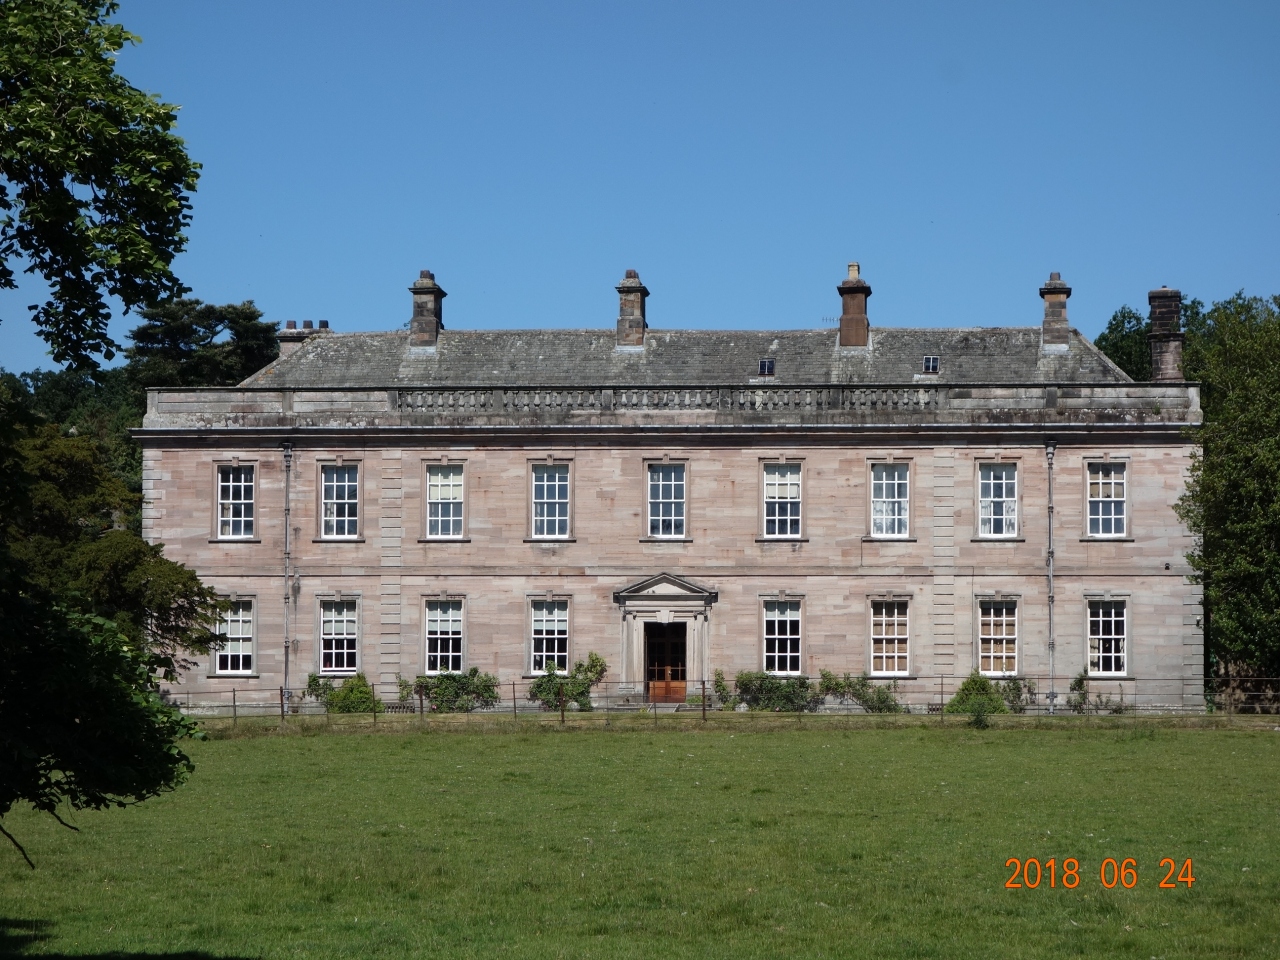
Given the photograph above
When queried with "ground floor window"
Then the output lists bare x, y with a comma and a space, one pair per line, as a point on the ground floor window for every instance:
444, 636
998, 636
1107, 636
782, 636
339, 640
550, 621
889, 636
236, 628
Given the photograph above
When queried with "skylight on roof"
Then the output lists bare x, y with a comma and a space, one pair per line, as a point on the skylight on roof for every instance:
931, 364
766, 367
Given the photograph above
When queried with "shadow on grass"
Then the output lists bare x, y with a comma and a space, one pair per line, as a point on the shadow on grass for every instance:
17, 937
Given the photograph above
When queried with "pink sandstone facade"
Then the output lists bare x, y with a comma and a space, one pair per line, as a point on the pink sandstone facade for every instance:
872, 500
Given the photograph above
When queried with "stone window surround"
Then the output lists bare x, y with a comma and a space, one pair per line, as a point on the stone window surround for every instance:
782, 596
890, 597
214, 525
339, 461
445, 460
549, 459
546, 596
872, 463
1085, 461
214, 673
645, 536
446, 597
996, 596
1125, 597
999, 458
761, 535
332, 596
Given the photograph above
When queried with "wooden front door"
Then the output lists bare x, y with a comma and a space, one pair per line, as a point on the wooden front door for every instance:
664, 650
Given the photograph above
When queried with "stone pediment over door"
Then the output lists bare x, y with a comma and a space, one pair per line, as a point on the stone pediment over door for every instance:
668, 588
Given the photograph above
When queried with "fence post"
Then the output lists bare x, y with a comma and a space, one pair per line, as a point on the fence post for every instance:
282, 706
375, 704
422, 716
562, 701
514, 715
704, 701
234, 713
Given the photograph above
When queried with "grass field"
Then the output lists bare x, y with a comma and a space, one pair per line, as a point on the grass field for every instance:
727, 842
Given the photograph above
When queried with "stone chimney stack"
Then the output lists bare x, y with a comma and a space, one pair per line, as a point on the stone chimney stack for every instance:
855, 328
428, 306
1165, 337
631, 322
291, 338
1055, 331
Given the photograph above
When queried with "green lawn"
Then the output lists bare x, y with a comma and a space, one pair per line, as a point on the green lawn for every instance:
725, 842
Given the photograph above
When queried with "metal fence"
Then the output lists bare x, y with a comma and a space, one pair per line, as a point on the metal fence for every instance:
1028, 696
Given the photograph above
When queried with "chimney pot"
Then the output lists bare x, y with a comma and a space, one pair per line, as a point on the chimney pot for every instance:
631, 310
291, 325
1055, 331
306, 324
324, 324
428, 310
1166, 337
855, 328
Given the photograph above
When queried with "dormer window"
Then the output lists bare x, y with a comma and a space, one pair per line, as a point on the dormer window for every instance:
931, 364
766, 367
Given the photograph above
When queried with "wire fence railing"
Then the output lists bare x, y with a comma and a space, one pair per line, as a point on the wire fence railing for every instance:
920, 695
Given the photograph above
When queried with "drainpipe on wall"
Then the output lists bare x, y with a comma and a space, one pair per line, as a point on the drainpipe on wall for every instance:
288, 572
1049, 446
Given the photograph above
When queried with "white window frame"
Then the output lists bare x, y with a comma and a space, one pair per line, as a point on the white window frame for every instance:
456, 504
448, 637
231, 510
344, 644
1006, 515
998, 636
549, 621
540, 515
1100, 502
892, 522
1098, 639
782, 648
891, 628
335, 511
672, 502
787, 478
241, 615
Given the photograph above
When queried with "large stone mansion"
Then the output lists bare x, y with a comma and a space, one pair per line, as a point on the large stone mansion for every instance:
912, 503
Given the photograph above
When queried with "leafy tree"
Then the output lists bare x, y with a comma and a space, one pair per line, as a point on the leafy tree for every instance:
575, 686
1125, 342
1232, 502
458, 692
93, 183
977, 694
189, 343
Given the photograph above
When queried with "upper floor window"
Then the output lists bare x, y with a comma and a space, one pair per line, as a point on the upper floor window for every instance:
340, 499
235, 502
998, 500
931, 364
889, 637
444, 636
1107, 636
998, 636
444, 500
889, 499
782, 499
767, 366
666, 500
235, 654
782, 636
339, 636
550, 636
551, 501
1106, 500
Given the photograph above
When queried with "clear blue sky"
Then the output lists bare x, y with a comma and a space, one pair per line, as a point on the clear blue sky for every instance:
737, 155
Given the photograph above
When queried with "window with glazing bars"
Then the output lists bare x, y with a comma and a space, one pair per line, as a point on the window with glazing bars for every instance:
1106, 500
338, 636
782, 636
998, 500
340, 498
551, 500
235, 502
444, 500
998, 636
550, 636
1106, 636
444, 636
782, 499
889, 636
235, 654
666, 500
889, 499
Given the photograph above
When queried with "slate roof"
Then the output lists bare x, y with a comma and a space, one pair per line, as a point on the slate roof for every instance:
530, 358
